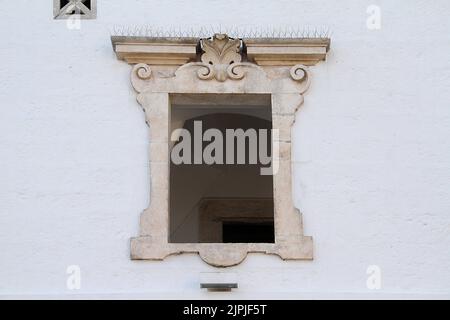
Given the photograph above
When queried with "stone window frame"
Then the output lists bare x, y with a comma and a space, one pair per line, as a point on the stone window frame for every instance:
219, 65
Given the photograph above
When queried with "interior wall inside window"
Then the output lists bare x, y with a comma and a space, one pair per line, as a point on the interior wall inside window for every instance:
220, 202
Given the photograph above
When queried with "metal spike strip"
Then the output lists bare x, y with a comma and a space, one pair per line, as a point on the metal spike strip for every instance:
233, 31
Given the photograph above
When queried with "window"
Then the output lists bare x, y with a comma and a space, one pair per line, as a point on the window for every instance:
65, 9
204, 192
220, 210
248, 231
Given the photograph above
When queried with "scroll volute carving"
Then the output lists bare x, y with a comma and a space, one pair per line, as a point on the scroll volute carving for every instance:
220, 55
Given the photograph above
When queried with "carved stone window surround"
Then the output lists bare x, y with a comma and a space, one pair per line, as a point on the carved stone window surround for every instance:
164, 68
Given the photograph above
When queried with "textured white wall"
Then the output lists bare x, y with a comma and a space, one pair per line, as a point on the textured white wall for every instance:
372, 171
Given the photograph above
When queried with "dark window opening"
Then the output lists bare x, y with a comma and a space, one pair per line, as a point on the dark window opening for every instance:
248, 232
229, 194
75, 10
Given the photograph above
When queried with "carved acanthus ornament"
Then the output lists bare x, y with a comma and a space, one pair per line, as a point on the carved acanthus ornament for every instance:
221, 55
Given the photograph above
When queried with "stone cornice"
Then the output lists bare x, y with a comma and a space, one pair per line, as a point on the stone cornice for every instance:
261, 51
155, 51
287, 52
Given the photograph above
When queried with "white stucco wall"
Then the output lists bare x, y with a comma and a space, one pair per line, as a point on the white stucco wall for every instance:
372, 170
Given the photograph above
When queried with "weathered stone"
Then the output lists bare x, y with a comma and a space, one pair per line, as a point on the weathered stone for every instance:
220, 71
